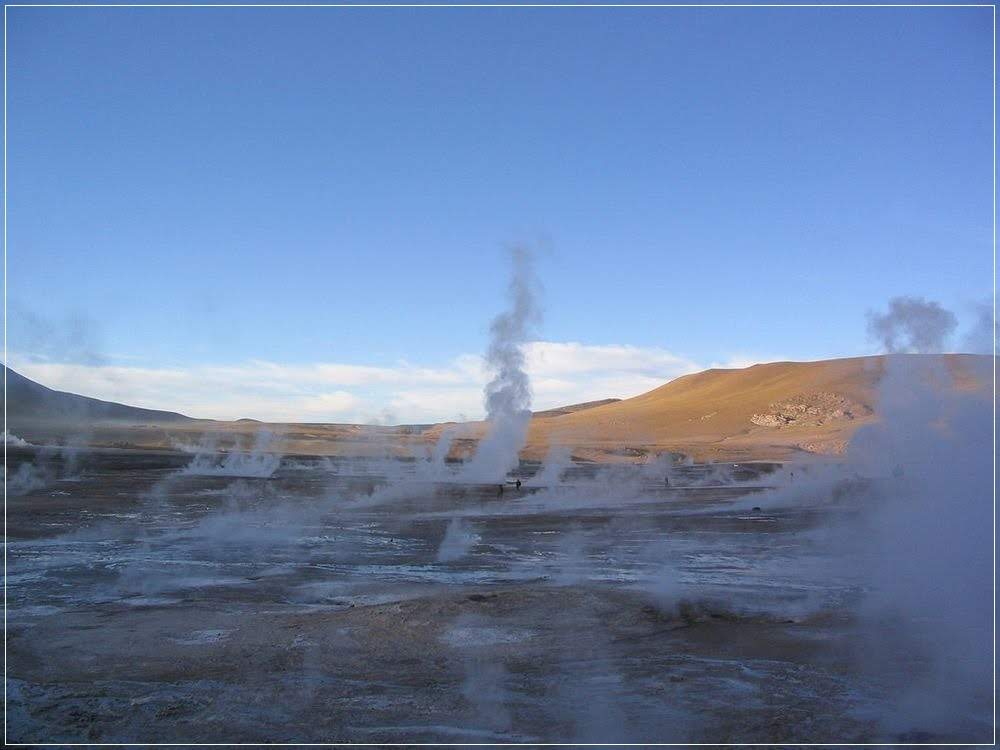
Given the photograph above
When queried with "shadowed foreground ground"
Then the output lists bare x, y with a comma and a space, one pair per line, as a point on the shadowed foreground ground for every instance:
148, 605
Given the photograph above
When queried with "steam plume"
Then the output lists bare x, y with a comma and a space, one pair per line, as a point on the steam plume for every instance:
912, 324
508, 394
983, 336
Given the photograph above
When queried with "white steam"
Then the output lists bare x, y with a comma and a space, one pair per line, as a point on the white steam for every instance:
259, 462
928, 521
458, 539
558, 459
982, 337
508, 394
26, 479
912, 324
11, 439
918, 486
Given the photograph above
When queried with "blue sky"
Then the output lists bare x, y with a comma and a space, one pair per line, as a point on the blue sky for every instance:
195, 191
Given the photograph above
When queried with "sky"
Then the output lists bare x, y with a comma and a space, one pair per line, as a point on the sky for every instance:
303, 214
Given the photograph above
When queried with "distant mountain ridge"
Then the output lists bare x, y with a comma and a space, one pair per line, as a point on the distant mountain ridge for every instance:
29, 403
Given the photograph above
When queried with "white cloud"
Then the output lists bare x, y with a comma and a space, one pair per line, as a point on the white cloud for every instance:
561, 358
562, 373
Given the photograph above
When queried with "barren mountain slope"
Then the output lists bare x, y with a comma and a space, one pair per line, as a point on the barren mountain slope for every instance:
765, 411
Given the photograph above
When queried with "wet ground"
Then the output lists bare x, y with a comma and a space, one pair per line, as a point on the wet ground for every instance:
363, 602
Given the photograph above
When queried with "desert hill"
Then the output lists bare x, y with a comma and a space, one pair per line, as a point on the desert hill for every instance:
561, 410
765, 411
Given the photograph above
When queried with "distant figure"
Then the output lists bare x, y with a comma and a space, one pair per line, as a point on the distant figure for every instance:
666, 481
499, 490
518, 484
792, 476
898, 472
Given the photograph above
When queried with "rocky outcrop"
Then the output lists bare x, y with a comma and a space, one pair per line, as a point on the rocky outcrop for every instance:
824, 447
812, 410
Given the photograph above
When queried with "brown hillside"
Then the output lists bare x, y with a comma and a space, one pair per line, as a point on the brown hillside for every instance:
561, 410
767, 411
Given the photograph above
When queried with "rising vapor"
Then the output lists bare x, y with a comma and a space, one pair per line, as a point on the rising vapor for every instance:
508, 394
912, 324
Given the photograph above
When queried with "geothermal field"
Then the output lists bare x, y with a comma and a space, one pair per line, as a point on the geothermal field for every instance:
250, 593
248, 596
501, 374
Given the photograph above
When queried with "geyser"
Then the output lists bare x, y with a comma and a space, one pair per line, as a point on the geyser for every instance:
508, 394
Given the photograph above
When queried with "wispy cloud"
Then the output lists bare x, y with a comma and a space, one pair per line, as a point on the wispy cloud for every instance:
561, 372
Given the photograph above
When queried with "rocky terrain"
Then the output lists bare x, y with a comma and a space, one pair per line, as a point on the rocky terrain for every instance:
813, 410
